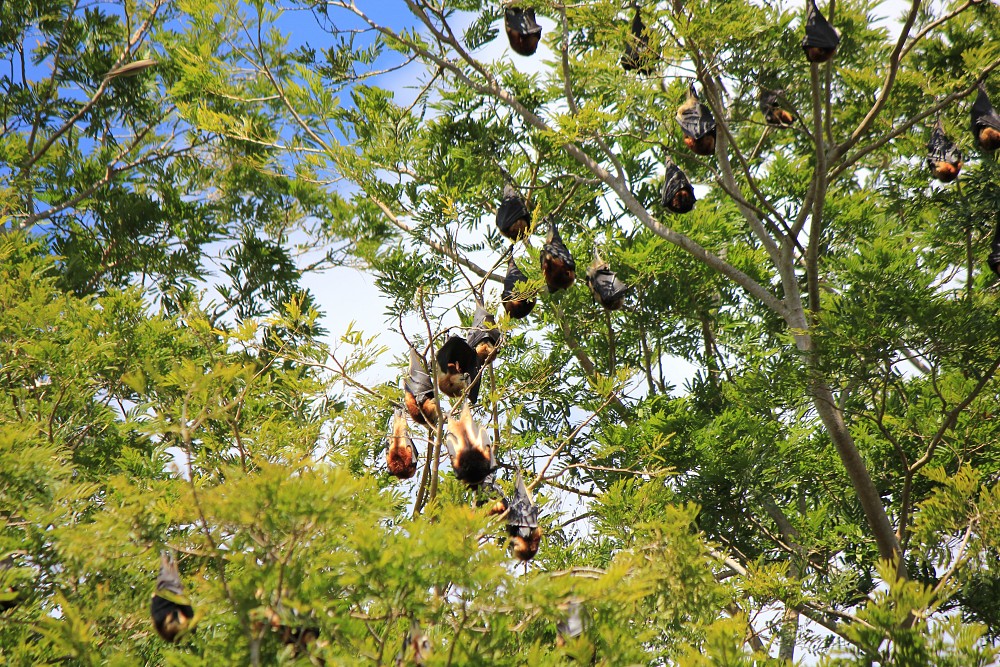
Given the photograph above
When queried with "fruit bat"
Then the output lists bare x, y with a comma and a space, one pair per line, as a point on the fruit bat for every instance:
517, 308
523, 32
943, 157
171, 610
513, 216
677, 194
298, 637
572, 627
418, 392
458, 367
994, 258
558, 266
637, 56
417, 642
401, 457
698, 124
774, 115
985, 122
822, 39
608, 289
484, 336
469, 448
522, 522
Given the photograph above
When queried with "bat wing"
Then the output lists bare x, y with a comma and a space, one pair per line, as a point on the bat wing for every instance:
168, 583
559, 251
522, 21
675, 181
819, 32
419, 381
458, 352
983, 113
450, 442
941, 149
608, 285
512, 208
696, 121
522, 512
483, 328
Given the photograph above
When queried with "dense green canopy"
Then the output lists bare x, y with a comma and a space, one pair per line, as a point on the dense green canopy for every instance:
824, 488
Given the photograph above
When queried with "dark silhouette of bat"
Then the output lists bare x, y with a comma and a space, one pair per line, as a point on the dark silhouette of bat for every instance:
401, 456
606, 287
994, 257
985, 122
943, 157
522, 522
469, 448
516, 305
822, 39
171, 609
677, 194
484, 336
698, 124
558, 266
523, 32
513, 216
418, 392
774, 115
637, 56
458, 367
298, 636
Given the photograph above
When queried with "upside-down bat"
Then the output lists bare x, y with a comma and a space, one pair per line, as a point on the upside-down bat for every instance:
607, 288
558, 266
637, 56
298, 637
523, 31
822, 39
677, 194
522, 522
774, 115
418, 392
985, 122
458, 368
469, 448
513, 216
417, 642
943, 157
572, 627
171, 609
698, 124
516, 307
484, 336
401, 456
993, 260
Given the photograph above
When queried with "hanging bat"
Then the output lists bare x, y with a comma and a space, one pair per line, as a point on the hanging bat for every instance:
606, 287
458, 367
822, 39
484, 336
774, 115
523, 32
994, 257
469, 448
985, 122
513, 216
698, 124
558, 266
297, 636
522, 522
677, 194
515, 305
416, 642
572, 627
401, 457
637, 56
418, 392
943, 157
171, 610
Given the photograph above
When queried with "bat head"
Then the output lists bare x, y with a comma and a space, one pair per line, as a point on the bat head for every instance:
419, 643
